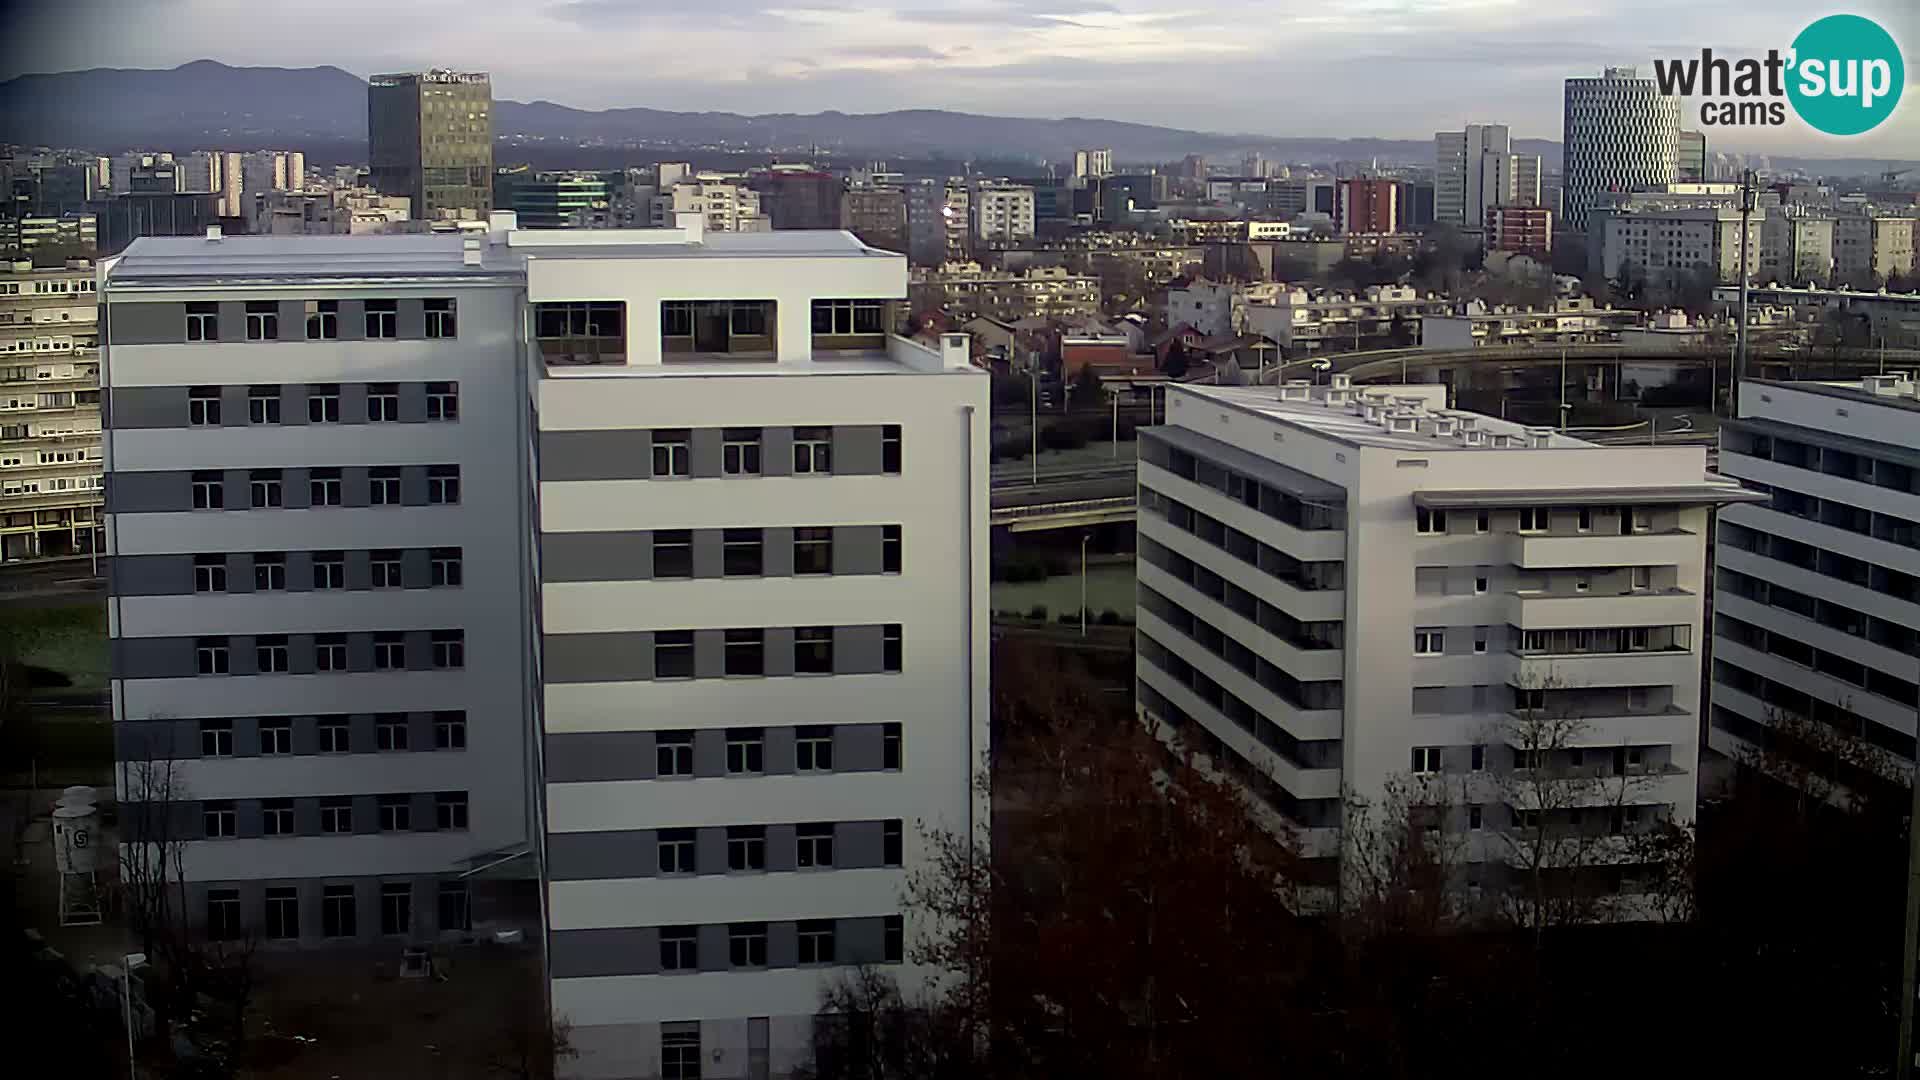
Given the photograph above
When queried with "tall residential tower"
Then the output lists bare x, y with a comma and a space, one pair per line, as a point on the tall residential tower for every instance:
1621, 135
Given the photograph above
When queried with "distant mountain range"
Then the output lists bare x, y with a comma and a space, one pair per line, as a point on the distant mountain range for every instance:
211, 105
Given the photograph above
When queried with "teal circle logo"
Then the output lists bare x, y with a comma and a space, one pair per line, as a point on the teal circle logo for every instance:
1846, 75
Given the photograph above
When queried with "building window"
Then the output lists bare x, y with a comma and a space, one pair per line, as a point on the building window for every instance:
1642, 521
1426, 759
679, 948
812, 450
1479, 757
746, 751
223, 914
740, 452
263, 405
889, 549
383, 318
216, 738
1429, 522
449, 731
276, 736
1534, 519
270, 655
323, 320
396, 908
1474, 817
1482, 521
890, 746
1429, 642
443, 485
1480, 584
746, 652
396, 814
337, 911
269, 571
672, 553
813, 749
209, 491
1585, 520
440, 318
892, 842
449, 649
445, 567
389, 651
323, 404
680, 1051
815, 845
890, 648
747, 945
210, 655
203, 406
1641, 578
454, 912
443, 401
741, 553
263, 489
894, 939
1479, 640
747, 318
383, 403
676, 851
1639, 639
890, 449
283, 913
582, 333
330, 652
813, 550
209, 573
813, 650
839, 318
384, 568
672, 452
263, 320
203, 322
673, 753
816, 941
277, 817
336, 735
219, 819
673, 654
746, 848
336, 815
390, 731
450, 810
323, 487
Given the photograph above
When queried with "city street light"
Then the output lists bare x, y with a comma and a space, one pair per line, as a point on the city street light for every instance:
127, 964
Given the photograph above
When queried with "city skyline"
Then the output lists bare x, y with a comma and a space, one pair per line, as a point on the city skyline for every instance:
1376, 67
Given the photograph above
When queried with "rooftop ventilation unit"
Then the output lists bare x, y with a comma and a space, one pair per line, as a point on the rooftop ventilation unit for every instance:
1296, 390
1444, 426
1403, 424
1538, 437
1342, 382
1473, 437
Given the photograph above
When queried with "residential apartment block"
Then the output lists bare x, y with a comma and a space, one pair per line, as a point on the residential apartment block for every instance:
1869, 247
725, 200
967, 289
50, 465
1475, 170
1002, 213
1817, 602
1341, 587
645, 562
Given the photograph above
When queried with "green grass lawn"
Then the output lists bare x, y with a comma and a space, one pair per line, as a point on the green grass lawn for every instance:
71, 640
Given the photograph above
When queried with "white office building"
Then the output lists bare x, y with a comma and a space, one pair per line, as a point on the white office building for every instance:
1817, 603
1476, 170
1342, 586
660, 575
1621, 134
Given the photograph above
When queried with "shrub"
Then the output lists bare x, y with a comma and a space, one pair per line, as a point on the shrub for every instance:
1037, 613
1109, 617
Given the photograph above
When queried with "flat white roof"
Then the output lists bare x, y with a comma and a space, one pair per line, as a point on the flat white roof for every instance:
1337, 421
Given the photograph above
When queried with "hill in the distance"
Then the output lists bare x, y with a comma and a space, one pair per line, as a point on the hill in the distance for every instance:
207, 104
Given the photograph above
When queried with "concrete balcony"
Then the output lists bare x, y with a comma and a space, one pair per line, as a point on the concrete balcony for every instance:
1304, 664
1670, 667
1592, 611
1543, 551
1301, 783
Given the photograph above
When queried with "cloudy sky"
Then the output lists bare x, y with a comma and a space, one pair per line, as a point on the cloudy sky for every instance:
1393, 68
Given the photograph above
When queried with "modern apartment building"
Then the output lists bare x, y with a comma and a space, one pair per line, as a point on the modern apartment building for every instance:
1817, 602
50, 464
1796, 246
965, 290
1527, 230
648, 563
1368, 205
1869, 247
1002, 213
1655, 235
430, 138
1340, 586
1476, 170
938, 221
1620, 134
724, 199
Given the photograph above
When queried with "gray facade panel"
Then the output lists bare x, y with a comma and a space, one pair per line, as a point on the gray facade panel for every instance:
353, 323
363, 732
240, 655
353, 403
709, 654
293, 400
240, 572
857, 748
233, 406
296, 491
247, 822
154, 658
596, 455
779, 650
709, 553
710, 753
421, 805
306, 822
594, 856
601, 556
355, 491
783, 944
856, 549
704, 452
413, 485
156, 740
300, 654
366, 814
146, 324
233, 320
132, 408
413, 399
246, 736
300, 570
588, 756
412, 325
713, 947
239, 493
781, 848
152, 575
777, 551
779, 751
776, 451
149, 492
293, 320
581, 954
856, 450
584, 658
859, 941
858, 650
360, 652
419, 645
858, 845
416, 568
710, 850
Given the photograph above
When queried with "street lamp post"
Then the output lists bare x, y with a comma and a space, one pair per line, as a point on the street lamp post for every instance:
1084, 537
1033, 423
127, 964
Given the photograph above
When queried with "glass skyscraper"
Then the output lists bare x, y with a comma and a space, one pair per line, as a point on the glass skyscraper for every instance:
430, 138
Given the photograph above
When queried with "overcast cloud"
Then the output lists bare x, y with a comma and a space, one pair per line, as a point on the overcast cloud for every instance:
1390, 68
